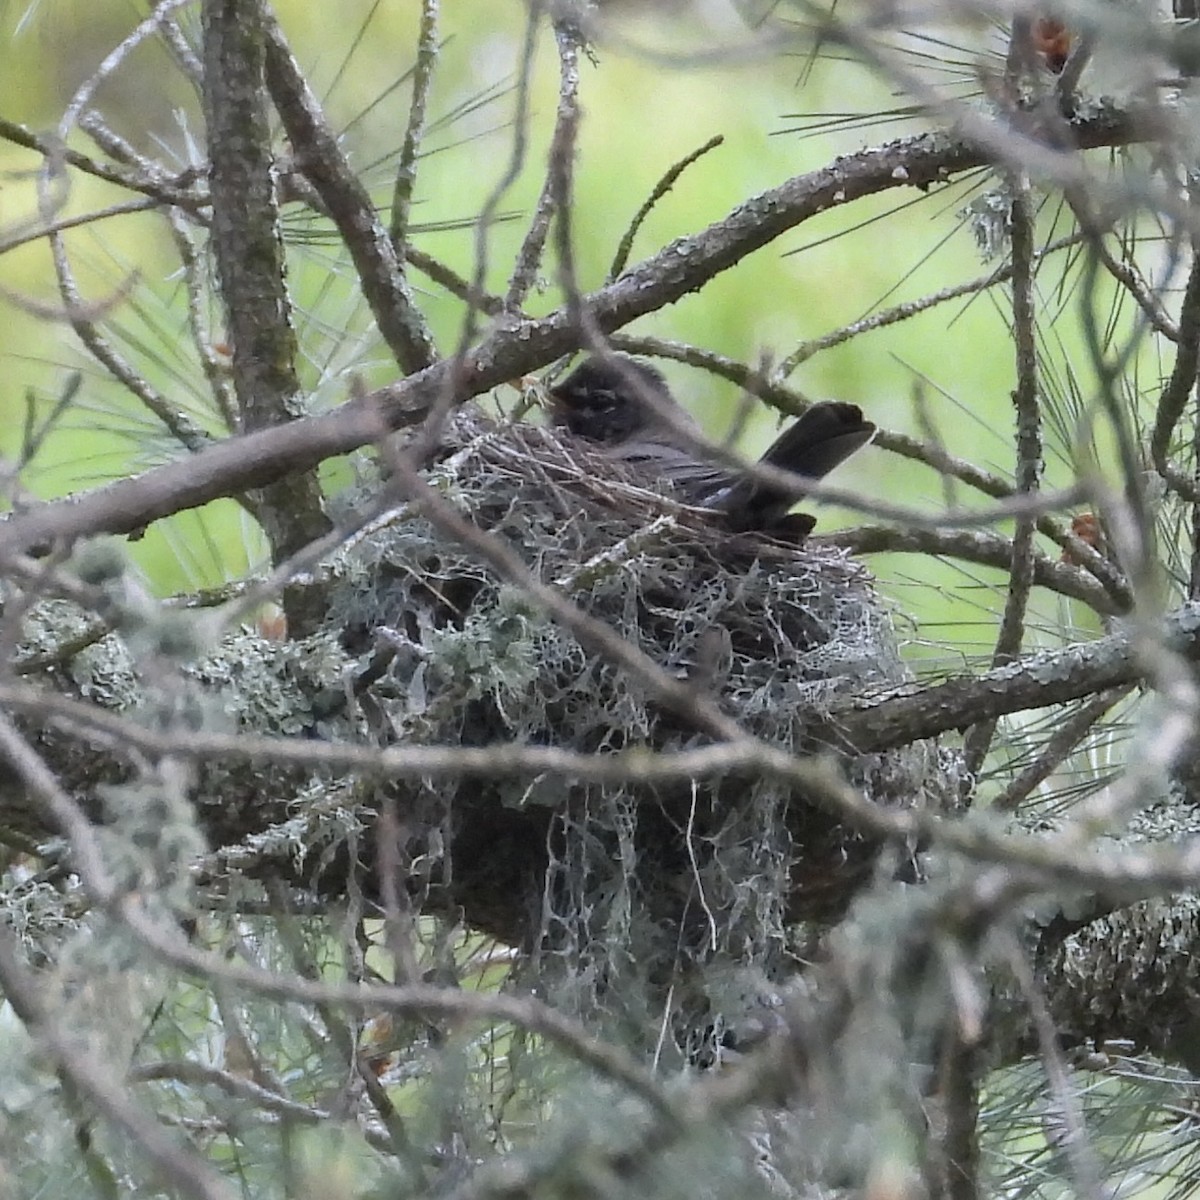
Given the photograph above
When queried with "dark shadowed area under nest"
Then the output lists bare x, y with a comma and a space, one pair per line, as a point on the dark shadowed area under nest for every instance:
628, 889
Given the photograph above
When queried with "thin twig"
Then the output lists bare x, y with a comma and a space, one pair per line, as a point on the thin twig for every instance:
215, 369
1029, 453
454, 283
1145, 296
112, 61
1128, 515
975, 546
414, 132
1174, 397
182, 191
182, 1167
660, 189
911, 308
195, 1074
1061, 744
529, 257
79, 313
1086, 1171
183, 53
512, 168
35, 232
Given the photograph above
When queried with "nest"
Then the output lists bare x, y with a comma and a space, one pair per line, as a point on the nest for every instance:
627, 889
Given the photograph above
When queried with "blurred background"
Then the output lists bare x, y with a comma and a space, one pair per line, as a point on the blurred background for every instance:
666, 78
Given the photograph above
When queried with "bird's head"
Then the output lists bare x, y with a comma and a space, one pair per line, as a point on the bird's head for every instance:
603, 400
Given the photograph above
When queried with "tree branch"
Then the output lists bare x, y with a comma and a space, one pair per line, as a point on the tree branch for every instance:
321, 159
250, 261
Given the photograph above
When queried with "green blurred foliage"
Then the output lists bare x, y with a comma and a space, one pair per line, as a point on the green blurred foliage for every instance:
665, 86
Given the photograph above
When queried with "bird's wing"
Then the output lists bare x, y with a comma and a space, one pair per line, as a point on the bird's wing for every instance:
810, 447
692, 478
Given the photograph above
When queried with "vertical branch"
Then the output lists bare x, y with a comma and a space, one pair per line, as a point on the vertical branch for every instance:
1171, 405
957, 1157
1194, 566
1029, 454
561, 177
406, 170
245, 225
515, 161
250, 259
1029, 421
529, 257
1173, 399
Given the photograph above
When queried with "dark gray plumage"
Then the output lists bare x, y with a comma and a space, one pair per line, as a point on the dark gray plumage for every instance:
621, 404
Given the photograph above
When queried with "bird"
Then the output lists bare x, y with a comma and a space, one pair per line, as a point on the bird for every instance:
624, 406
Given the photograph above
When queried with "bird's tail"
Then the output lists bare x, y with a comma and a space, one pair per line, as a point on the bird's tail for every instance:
818, 440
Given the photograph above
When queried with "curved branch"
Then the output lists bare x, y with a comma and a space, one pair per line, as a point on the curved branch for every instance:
977, 546
683, 266
1033, 682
